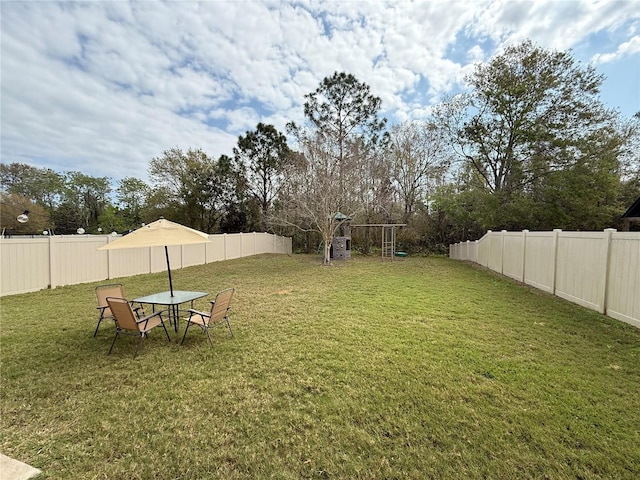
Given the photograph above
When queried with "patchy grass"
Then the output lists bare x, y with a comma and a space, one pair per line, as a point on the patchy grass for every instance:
419, 368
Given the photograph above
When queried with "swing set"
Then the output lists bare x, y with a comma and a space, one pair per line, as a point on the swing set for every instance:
388, 238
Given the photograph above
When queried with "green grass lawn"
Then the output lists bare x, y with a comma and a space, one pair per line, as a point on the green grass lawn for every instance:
418, 368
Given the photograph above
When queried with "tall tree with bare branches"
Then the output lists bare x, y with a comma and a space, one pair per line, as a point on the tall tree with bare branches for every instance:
420, 159
343, 129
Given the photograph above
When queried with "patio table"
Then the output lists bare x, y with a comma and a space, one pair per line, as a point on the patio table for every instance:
172, 302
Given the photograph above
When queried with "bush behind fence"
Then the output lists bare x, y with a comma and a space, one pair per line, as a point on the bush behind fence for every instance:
31, 264
598, 270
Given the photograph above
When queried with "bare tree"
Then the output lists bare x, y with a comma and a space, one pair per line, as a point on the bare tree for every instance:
343, 131
420, 160
314, 198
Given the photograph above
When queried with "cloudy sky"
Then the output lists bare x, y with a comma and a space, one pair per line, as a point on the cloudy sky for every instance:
102, 87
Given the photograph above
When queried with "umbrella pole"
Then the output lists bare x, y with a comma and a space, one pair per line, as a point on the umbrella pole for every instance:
166, 252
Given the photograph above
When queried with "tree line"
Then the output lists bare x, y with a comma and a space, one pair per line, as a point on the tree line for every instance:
529, 146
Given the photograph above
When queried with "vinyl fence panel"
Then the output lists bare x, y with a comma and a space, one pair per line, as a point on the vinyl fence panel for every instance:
248, 243
598, 270
494, 256
72, 260
215, 249
539, 261
623, 287
581, 268
483, 250
263, 243
127, 262
233, 246
512, 254
24, 267
194, 254
31, 264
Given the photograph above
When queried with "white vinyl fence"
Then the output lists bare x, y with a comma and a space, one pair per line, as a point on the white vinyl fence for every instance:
598, 270
31, 264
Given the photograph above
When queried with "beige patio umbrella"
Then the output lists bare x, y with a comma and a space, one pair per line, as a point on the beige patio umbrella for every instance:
161, 233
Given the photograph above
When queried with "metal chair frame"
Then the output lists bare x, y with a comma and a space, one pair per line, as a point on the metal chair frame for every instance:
127, 323
219, 313
111, 290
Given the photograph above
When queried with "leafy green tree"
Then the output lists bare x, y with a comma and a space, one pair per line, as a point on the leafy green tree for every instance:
160, 203
343, 130
241, 211
263, 155
455, 214
198, 188
584, 195
42, 185
85, 198
533, 122
630, 178
342, 108
79, 197
67, 218
132, 195
112, 220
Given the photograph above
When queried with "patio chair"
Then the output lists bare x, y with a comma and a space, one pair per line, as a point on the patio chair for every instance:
219, 313
127, 323
111, 290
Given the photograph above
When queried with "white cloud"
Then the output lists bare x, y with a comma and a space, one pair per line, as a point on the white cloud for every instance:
103, 87
552, 23
624, 49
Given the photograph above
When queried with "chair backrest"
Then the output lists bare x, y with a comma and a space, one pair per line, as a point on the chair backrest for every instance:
104, 291
123, 313
220, 305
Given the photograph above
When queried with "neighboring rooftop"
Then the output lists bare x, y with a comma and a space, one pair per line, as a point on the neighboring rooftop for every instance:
632, 215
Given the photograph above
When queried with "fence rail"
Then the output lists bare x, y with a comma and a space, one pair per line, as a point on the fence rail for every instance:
32, 264
598, 270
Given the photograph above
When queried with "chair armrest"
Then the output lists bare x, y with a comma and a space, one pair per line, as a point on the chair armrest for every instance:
149, 317
198, 312
139, 310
